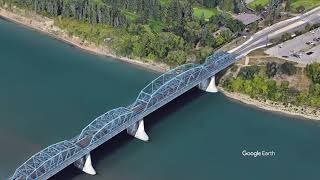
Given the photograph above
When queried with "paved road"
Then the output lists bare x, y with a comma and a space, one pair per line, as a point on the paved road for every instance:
261, 38
308, 53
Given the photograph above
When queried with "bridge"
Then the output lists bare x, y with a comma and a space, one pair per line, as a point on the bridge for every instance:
156, 94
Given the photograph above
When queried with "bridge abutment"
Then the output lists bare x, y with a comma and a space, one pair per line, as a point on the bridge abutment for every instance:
209, 85
85, 165
137, 130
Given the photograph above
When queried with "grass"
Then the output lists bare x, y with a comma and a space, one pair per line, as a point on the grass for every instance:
308, 4
256, 2
208, 12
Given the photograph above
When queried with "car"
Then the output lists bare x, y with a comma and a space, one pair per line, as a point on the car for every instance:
296, 55
310, 43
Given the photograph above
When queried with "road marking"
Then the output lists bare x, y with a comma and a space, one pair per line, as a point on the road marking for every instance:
291, 26
232, 50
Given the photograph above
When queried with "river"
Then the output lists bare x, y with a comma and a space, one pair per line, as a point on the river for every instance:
49, 91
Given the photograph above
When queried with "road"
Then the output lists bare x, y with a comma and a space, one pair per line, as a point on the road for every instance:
261, 38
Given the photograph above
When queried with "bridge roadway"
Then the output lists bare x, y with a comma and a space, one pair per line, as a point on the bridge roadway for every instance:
162, 90
159, 92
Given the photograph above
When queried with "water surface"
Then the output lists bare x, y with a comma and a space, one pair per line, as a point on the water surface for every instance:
49, 91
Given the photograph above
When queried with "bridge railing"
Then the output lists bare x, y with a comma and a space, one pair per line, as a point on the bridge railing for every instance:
156, 94
42, 162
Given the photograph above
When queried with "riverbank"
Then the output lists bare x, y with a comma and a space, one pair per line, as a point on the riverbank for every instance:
305, 112
46, 25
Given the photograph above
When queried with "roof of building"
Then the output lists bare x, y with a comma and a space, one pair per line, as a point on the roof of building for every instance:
247, 18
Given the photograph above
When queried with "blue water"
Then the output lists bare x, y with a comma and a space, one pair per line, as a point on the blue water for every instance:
49, 91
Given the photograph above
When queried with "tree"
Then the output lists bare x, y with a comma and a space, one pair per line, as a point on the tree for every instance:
248, 87
284, 88
227, 35
192, 32
288, 5
219, 41
219, 20
313, 71
300, 9
302, 98
285, 37
315, 90
248, 73
272, 89
123, 46
202, 19
272, 69
176, 57
259, 8
288, 68
236, 8
237, 84
235, 26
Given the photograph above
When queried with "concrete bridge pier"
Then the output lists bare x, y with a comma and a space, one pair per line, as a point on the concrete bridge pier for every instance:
85, 165
137, 130
209, 85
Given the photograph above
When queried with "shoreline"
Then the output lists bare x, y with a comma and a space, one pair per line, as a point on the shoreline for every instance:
45, 25
49, 29
300, 112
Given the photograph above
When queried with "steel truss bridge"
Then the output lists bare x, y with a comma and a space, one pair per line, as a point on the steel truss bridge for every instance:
159, 92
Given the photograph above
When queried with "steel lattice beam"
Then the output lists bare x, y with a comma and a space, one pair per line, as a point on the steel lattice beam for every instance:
157, 93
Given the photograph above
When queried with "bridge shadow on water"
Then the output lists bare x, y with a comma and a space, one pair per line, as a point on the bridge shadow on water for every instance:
123, 138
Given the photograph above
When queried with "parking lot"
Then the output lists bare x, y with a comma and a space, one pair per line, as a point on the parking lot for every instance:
304, 49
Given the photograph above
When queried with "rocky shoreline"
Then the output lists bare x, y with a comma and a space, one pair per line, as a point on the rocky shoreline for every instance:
301, 111
46, 25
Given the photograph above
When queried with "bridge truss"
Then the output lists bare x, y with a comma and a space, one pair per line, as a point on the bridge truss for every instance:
157, 93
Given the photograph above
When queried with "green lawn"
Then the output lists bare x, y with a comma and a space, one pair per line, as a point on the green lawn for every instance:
308, 4
208, 12
256, 2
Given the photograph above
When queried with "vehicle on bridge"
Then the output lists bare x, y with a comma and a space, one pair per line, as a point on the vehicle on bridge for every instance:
156, 94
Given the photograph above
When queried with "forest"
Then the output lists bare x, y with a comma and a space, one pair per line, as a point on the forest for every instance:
168, 31
256, 81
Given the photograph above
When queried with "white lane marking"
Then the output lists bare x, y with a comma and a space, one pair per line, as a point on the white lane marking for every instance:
291, 26
232, 50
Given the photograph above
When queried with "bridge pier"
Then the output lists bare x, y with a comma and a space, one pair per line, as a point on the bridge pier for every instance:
85, 165
137, 130
209, 85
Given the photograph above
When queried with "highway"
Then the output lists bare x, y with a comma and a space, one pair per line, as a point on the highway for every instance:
261, 38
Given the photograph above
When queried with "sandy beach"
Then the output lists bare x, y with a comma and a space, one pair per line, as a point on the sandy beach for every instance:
46, 25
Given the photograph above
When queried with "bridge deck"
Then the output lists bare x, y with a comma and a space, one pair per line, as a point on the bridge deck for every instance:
157, 93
